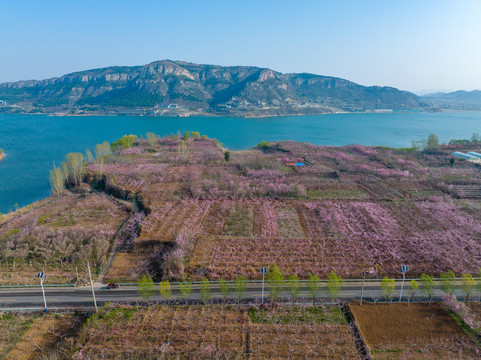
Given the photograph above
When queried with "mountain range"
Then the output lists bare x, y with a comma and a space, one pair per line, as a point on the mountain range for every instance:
459, 100
180, 88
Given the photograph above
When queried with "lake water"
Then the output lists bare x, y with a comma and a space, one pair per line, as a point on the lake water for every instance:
33, 142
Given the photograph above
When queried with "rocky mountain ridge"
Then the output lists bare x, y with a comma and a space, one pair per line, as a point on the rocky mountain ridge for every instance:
166, 87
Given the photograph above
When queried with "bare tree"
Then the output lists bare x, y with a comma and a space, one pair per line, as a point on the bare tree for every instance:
57, 180
75, 168
151, 138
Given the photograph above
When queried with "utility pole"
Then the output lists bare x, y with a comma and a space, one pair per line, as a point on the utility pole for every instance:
362, 288
92, 287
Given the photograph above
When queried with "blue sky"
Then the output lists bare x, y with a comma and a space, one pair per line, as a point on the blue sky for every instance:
412, 45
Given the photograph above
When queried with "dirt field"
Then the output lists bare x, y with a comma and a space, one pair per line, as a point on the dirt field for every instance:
192, 332
415, 331
12, 327
218, 332
301, 341
476, 308
42, 335
124, 267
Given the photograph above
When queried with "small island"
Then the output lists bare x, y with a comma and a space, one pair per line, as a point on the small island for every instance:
2, 154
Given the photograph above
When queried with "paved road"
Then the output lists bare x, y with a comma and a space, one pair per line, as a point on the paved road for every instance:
81, 297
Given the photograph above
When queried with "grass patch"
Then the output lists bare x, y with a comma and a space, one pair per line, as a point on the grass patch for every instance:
12, 328
471, 333
298, 315
336, 194
240, 222
288, 223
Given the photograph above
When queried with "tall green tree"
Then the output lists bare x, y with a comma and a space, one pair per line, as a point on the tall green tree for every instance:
447, 282
125, 142
314, 286
334, 285
387, 287
185, 289
224, 288
240, 286
165, 289
294, 285
427, 286
467, 284
146, 287
205, 288
413, 289
275, 280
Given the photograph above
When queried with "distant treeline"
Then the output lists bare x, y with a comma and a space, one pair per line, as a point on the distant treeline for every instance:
475, 139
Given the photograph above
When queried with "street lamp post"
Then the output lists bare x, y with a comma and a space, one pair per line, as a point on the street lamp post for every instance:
264, 272
404, 269
42, 277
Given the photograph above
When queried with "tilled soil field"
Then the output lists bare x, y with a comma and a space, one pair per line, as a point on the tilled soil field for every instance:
415, 331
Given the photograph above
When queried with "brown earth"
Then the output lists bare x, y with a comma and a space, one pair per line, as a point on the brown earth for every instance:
475, 307
42, 335
415, 331
124, 266
212, 332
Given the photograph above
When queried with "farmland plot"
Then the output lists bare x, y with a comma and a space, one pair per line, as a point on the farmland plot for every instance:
268, 220
301, 341
233, 257
240, 221
42, 335
12, 326
215, 220
125, 266
154, 195
288, 223
289, 332
415, 189
337, 192
415, 331
167, 220
186, 331
212, 229
182, 173
210, 332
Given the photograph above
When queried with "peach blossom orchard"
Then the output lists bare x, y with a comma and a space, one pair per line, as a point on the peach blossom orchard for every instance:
184, 207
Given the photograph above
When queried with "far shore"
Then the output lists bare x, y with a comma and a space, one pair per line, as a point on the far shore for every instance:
247, 115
